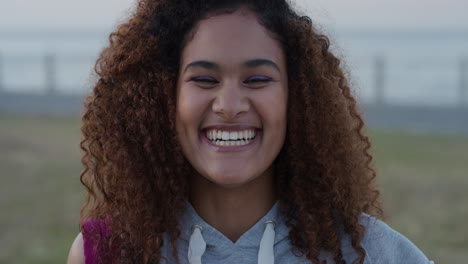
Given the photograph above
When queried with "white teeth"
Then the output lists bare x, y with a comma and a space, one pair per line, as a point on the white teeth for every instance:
231, 138
225, 136
233, 135
240, 134
211, 134
228, 143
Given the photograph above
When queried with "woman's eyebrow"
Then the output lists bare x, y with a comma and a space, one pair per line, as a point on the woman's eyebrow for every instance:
202, 64
261, 62
214, 66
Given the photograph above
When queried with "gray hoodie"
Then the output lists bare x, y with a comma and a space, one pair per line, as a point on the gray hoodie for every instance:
268, 243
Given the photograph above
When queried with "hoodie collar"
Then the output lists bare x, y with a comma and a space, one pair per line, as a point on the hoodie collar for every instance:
217, 242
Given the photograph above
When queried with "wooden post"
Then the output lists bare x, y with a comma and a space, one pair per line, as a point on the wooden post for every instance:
50, 74
463, 84
379, 70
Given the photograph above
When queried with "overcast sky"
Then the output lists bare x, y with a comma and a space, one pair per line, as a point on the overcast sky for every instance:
103, 14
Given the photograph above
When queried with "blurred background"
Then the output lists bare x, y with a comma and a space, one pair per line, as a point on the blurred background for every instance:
408, 66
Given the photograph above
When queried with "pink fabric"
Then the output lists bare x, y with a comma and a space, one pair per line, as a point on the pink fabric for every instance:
99, 229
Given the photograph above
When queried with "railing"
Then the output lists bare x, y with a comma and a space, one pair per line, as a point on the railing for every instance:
46, 77
463, 82
379, 83
381, 73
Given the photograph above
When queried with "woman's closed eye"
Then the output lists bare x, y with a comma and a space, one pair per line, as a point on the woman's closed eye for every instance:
204, 82
257, 79
254, 81
207, 80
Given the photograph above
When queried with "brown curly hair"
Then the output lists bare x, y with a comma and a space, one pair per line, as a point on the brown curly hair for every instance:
134, 170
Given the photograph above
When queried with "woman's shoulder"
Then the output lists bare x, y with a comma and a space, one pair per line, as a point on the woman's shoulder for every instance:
383, 244
76, 254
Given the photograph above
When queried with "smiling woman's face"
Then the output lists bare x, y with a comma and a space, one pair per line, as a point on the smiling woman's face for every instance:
232, 99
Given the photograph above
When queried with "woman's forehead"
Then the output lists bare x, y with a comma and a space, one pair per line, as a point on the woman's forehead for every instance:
235, 37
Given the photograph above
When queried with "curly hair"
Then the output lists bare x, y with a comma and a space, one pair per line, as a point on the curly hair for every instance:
136, 176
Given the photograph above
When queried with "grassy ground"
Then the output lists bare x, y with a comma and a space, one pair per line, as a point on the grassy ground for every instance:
423, 180
40, 194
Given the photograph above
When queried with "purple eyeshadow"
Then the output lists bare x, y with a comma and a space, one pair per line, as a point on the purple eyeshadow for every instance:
259, 79
203, 79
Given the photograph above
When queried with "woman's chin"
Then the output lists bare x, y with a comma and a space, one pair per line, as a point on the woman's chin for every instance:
230, 180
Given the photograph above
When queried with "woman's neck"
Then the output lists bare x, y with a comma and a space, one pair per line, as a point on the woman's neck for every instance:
233, 210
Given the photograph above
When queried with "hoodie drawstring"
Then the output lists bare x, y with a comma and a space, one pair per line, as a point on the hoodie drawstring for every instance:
266, 254
197, 245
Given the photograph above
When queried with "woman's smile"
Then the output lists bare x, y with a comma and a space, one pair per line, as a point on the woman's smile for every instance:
230, 138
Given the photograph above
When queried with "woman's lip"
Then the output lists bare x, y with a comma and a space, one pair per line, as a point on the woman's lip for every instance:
230, 128
230, 148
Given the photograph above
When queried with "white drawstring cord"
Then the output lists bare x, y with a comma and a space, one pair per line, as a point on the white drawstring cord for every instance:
265, 254
197, 245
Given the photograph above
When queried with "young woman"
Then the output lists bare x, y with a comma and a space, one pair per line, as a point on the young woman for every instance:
224, 131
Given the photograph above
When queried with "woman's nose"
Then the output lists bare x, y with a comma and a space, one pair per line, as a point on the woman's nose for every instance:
231, 101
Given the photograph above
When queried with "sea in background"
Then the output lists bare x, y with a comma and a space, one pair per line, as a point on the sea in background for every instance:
420, 66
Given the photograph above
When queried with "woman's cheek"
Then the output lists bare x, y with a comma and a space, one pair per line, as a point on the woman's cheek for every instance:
191, 102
